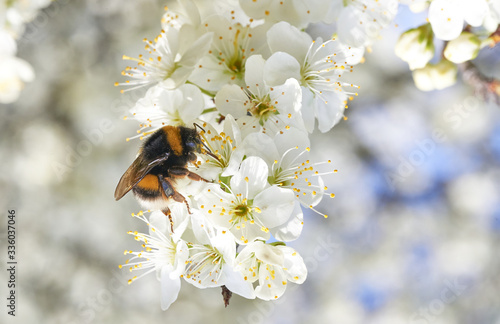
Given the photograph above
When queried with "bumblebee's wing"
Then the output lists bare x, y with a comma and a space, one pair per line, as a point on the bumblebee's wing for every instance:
139, 168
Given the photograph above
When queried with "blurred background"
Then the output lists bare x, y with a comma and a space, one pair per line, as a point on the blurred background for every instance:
413, 230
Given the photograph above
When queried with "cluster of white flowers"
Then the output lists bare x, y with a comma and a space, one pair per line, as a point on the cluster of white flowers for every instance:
257, 85
252, 76
14, 72
464, 26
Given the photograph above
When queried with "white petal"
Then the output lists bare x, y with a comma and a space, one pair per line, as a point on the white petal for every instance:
177, 78
159, 221
255, 170
271, 289
293, 137
231, 99
202, 228
8, 46
192, 105
282, 37
268, 254
280, 67
181, 256
354, 54
235, 282
296, 269
288, 97
254, 71
254, 143
234, 162
197, 50
24, 70
255, 9
446, 19
329, 109
209, 75
213, 193
169, 287
276, 205
248, 125
225, 244
231, 129
308, 109
474, 11
249, 233
350, 27
290, 230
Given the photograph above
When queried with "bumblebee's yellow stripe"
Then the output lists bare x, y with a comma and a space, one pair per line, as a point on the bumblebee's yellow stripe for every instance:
174, 139
149, 182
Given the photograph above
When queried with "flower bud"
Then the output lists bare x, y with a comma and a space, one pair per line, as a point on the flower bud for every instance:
463, 48
435, 76
416, 47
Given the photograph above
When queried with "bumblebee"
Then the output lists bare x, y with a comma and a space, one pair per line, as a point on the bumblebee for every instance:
160, 168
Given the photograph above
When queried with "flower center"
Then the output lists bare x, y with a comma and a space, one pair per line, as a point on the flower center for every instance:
241, 210
262, 108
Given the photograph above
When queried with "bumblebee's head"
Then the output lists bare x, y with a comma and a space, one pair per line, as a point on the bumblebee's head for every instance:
191, 139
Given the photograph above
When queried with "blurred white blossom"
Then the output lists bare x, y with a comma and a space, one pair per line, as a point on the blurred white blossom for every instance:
359, 22
416, 46
14, 72
447, 17
463, 48
435, 76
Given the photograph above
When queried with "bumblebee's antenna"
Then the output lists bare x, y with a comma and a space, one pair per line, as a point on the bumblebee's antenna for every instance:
209, 152
196, 125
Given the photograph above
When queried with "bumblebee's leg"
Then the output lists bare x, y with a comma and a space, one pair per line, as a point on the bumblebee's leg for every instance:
176, 172
168, 213
170, 192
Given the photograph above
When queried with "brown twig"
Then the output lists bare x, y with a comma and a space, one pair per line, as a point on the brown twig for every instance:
487, 88
226, 295
495, 37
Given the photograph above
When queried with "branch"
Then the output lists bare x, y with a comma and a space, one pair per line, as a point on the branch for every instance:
487, 88
226, 295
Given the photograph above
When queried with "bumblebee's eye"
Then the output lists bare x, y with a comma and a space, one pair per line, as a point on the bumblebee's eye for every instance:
194, 145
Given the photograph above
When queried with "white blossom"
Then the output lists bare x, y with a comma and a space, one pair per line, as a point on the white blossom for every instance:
162, 254
211, 262
297, 12
186, 12
447, 17
225, 146
463, 48
232, 45
492, 19
359, 22
272, 266
172, 57
258, 106
416, 46
435, 76
317, 66
15, 14
14, 72
250, 208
